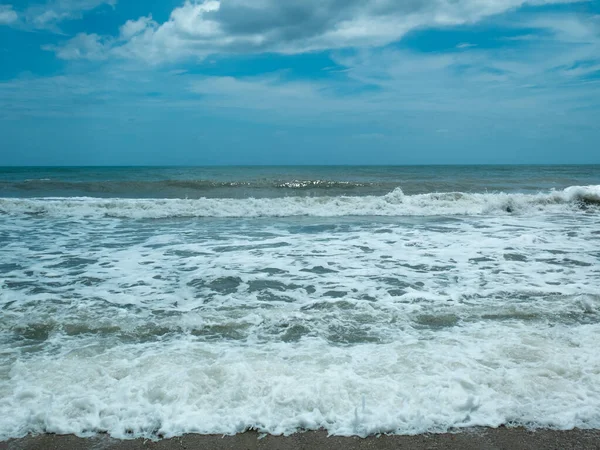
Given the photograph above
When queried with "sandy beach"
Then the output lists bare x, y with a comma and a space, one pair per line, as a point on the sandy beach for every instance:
489, 439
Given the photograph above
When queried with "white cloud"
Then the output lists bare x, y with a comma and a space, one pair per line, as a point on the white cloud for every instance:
542, 92
539, 79
7, 15
258, 92
82, 46
569, 28
514, 85
548, 81
481, 92
133, 28
199, 28
48, 15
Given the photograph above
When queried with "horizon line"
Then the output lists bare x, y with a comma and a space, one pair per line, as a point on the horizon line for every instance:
77, 166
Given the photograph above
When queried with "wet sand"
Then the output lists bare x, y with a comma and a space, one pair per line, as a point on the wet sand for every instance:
484, 438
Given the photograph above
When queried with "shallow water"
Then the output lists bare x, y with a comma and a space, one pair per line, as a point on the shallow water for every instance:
359, 313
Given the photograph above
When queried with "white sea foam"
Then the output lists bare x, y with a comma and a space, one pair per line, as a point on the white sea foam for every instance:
393, 204
148, 328
479, 375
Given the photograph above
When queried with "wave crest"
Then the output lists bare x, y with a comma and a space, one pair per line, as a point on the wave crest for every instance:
395, 203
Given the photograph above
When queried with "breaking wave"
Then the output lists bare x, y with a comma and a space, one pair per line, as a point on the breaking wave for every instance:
395, 203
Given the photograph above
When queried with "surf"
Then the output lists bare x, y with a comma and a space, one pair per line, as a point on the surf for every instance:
394, 203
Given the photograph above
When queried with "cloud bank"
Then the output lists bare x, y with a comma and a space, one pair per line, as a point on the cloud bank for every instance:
200, 28
7, 15
48, 16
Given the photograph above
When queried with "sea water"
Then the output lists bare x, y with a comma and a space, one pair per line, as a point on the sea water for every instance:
161, 301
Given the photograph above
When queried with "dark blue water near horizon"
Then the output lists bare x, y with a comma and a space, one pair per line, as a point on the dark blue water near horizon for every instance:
282, 181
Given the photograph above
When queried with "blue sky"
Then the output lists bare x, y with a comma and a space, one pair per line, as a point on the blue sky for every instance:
138, 82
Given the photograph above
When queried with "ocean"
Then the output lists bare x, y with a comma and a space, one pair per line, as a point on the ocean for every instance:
154, 302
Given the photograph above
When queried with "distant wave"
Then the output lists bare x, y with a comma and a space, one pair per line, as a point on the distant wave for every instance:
395, 203
177, 187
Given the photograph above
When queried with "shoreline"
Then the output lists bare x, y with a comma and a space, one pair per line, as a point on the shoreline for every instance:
469, 439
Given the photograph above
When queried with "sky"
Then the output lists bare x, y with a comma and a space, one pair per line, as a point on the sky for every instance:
202, 82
